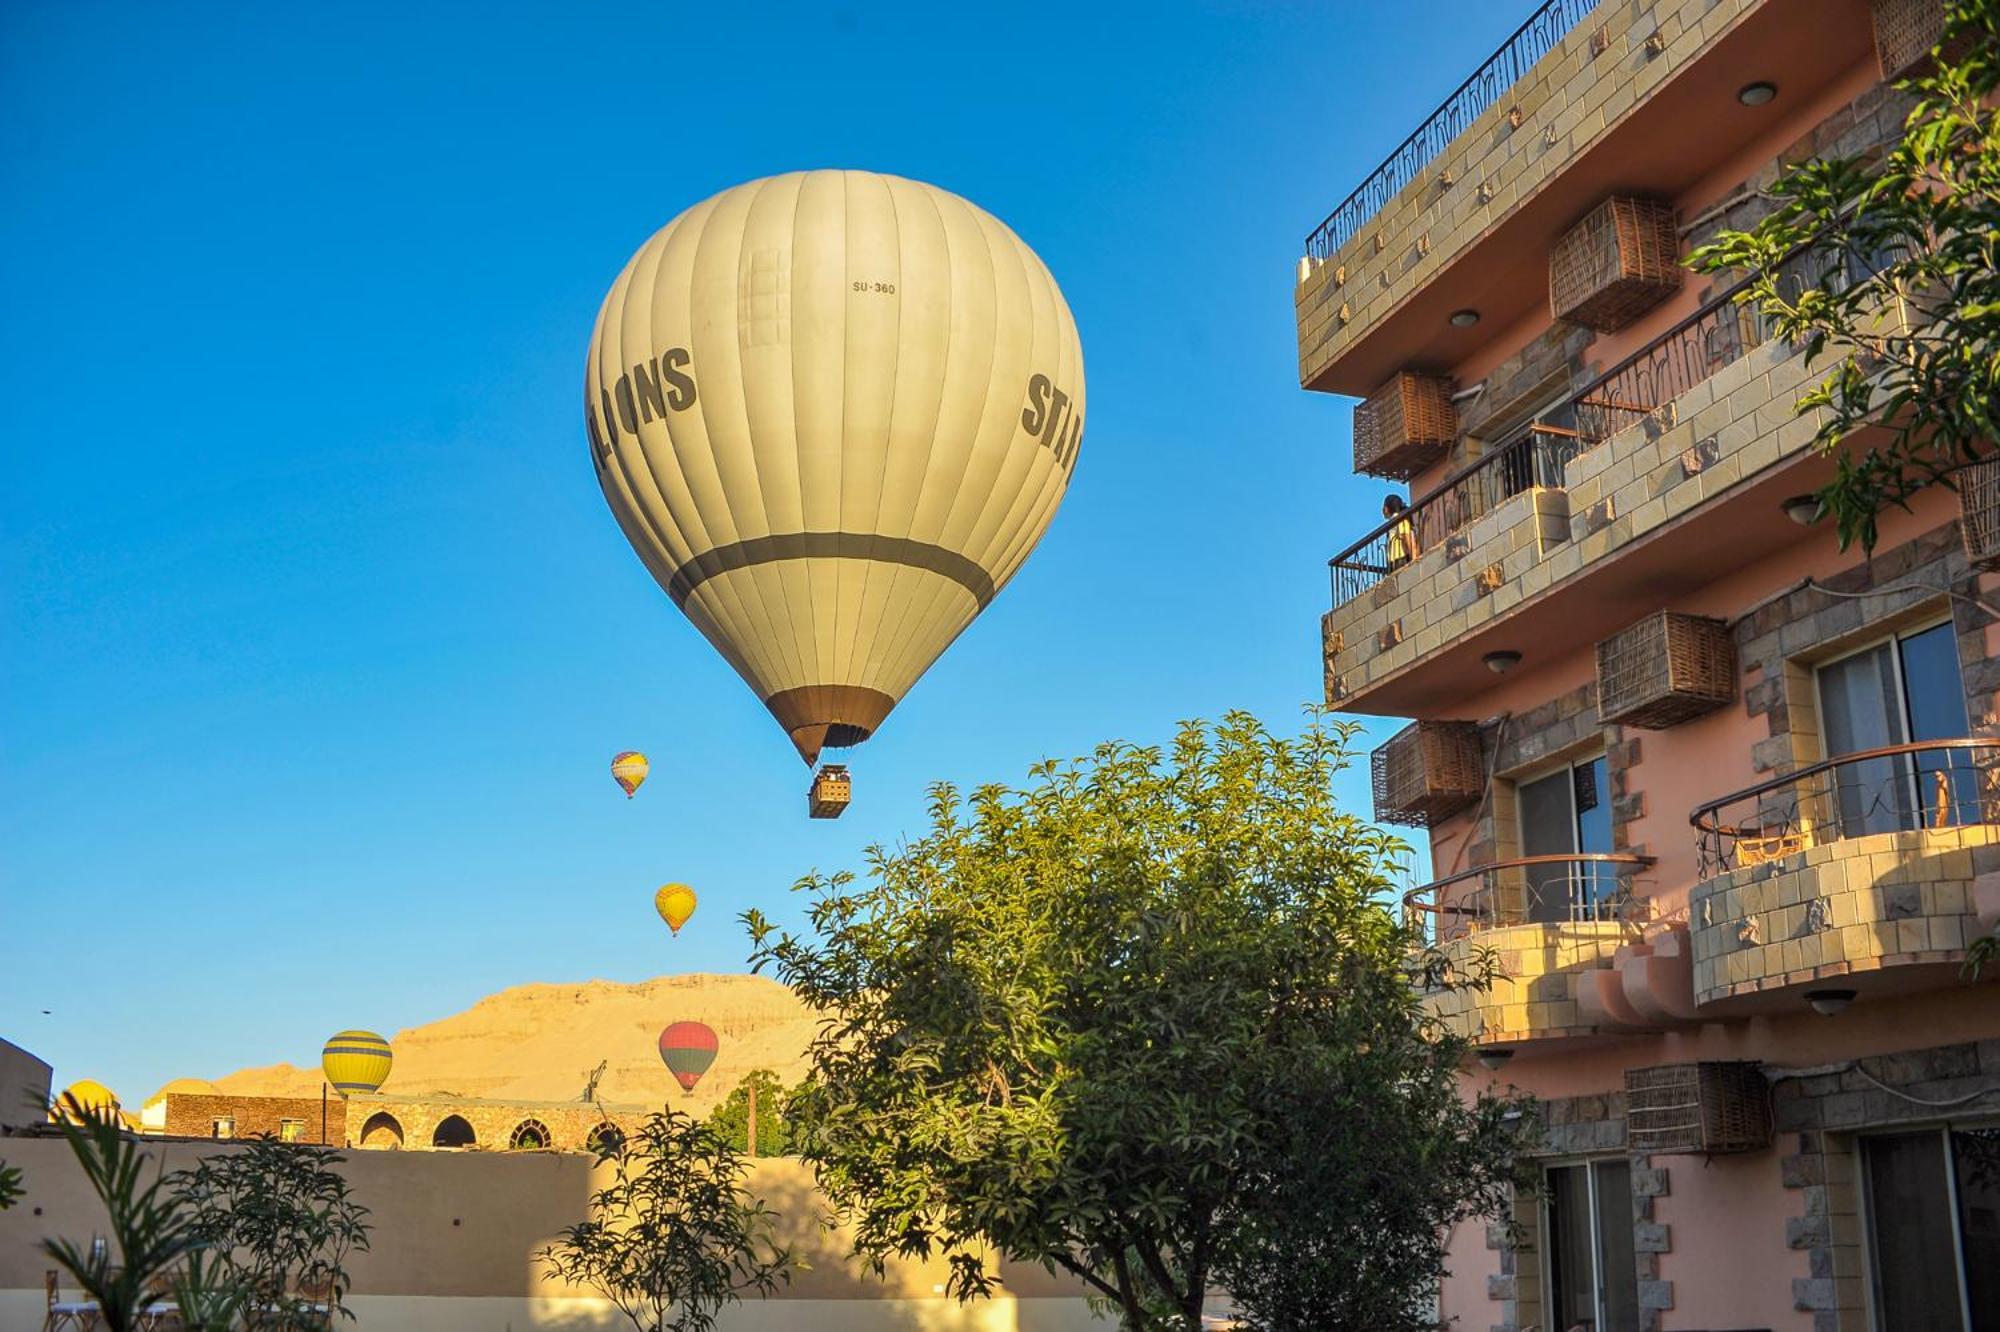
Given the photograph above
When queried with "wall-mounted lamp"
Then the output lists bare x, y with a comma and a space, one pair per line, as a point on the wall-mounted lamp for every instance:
1501, 662
1756, 94
1464, 318
1805, 510
1827, 1003
1494, 1058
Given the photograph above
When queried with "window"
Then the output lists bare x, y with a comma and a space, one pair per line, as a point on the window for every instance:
291, 1130
224, 1127
1568, 813
1593, 1276
1900, 690
1933, 1207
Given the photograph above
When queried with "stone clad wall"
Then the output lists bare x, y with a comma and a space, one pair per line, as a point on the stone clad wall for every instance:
569, 1123
195, 1116
1565, 103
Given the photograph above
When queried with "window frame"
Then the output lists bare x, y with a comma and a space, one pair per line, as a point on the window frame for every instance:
1545, 1221
1564, 765
1871, 1266
1891, 637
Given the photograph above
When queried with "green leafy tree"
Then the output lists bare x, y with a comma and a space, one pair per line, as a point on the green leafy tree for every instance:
10, 1185
731, 1119
1147, 1021
675, 1236
1906, 308
280, 1222
152, 1247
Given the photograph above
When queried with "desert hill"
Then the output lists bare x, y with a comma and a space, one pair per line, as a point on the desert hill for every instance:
540, 1042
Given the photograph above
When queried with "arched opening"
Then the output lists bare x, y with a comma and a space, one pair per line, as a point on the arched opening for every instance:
530, 1135
453, 1132
382, 1132
605, 1138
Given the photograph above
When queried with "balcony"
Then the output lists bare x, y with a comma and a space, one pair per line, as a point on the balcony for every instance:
1702, 412
1858, 873
1587, 100
1552, 926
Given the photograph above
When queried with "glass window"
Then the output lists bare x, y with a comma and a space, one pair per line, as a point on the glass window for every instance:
1566, 813
1593, 1270
1934, 1229
1895, 692
223, 1128
291, 1130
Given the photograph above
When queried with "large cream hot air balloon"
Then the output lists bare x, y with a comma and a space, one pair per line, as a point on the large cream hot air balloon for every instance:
833, 412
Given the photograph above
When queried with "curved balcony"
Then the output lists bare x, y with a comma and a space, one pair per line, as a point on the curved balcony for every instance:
1859, 873
1553, 927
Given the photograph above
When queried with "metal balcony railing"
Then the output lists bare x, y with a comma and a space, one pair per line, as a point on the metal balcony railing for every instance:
1563, 889
1693, 350
1897, 788
1530, 42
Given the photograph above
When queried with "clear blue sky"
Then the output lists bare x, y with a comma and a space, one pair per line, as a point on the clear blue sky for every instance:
316, 636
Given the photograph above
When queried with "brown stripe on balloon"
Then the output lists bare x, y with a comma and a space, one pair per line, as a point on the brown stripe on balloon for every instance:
831, 546
828, 715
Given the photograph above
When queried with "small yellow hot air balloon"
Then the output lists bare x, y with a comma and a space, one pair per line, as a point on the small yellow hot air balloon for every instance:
675, 903
355, 1061
88, 1095
629, 769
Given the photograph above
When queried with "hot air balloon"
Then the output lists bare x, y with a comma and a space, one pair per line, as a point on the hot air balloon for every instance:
355, 1061
629, 770
675, 903
833, 412
687, 1049
91, 1095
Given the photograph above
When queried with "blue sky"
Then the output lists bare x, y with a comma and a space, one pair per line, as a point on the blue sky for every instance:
316, 636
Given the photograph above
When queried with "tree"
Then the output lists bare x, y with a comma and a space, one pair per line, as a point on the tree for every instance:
731, 1119
152, 1246
280, 1222
10, 1185
675, 1232
1147, 1021
1907, 298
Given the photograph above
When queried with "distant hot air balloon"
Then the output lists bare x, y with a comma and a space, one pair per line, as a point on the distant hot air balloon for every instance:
675, 903
833, 411
355, 1061
687, 1048
89, 1094
629, 769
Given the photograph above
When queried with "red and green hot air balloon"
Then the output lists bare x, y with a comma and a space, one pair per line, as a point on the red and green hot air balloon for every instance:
687, 1049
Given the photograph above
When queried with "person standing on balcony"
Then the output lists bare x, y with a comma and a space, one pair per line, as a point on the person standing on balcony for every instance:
1403, 535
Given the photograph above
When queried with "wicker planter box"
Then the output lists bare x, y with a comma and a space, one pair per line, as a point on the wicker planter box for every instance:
1905, 32
1427, 772
1707, 1109
1404, 426
1617, 263
1979, 513
1666, 669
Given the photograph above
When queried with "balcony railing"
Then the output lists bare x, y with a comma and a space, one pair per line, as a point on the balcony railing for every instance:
1897, 788
1530, 42
1534, 458
1693, 350
1564, 889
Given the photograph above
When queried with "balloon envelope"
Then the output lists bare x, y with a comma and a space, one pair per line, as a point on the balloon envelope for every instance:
675, 903
355, 1061
687, 1049
833, 412
629, 770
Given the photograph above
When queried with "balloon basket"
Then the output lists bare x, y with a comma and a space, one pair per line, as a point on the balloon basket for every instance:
830, 792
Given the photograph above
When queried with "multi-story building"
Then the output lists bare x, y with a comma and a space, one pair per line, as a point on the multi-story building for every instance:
1715, 799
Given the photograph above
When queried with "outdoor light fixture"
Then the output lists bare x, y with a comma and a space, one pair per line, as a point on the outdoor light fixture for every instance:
1826, 1003
1802, 509
1756, 94
1501, 662
1495, 1058
1464, 318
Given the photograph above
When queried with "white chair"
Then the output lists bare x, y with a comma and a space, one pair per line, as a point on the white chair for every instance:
80, 1314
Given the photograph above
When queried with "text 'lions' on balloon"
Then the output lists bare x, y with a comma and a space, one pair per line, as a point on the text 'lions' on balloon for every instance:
833, 411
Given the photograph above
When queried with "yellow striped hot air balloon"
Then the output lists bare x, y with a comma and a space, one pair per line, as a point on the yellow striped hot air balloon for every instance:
675, 903
833, 412
629, 770
355, 1061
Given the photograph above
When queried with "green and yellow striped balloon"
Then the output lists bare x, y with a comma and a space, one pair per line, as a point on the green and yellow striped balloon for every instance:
355, 1061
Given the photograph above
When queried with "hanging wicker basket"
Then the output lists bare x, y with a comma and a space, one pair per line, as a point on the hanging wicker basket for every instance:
1427, 772
1707, 1109
1906, 31
1404, 426
1979, 513
1620, 261
1666, 669
830, 793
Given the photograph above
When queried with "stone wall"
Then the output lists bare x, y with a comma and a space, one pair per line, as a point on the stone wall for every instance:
195, 1116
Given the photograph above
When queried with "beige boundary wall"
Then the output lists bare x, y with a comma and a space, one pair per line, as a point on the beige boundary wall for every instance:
455, 1236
